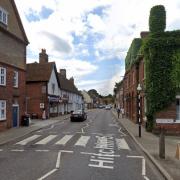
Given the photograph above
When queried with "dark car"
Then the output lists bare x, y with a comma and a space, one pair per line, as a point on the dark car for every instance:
78, 115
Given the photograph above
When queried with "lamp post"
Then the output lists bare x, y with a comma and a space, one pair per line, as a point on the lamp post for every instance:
139, 89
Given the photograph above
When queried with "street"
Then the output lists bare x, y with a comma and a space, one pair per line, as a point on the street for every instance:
96, 149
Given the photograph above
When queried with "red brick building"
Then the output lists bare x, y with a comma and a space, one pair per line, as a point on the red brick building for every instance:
42, 87
13, 42
134, 76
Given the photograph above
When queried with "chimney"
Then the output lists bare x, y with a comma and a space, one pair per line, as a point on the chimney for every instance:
72, 80
144, 34
43, 57
63, 72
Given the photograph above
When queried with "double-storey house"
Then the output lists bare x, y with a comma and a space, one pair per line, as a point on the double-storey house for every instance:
42, 88
13, 42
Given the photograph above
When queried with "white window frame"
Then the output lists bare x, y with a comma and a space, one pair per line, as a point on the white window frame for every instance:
3, 16
15, 79
2, 108
2, 76
178, 109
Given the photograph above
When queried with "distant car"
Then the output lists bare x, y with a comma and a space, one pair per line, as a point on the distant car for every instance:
108, 107
78, 115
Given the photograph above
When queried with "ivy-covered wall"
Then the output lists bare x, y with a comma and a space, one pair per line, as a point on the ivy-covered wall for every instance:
133, 52
162, 67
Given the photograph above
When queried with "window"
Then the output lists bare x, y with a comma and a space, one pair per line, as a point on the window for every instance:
3, 16
15, 79
2, 76
2, 110
178, 108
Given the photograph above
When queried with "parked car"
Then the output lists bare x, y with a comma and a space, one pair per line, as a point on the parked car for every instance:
78, 115
108, 107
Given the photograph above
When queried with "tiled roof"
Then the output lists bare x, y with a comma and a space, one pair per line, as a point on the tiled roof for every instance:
67, 85
39, 72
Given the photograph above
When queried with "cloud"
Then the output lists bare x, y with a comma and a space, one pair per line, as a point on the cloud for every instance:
59, 44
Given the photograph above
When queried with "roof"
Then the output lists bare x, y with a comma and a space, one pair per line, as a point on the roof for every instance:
67, 85
19, 21
37, 72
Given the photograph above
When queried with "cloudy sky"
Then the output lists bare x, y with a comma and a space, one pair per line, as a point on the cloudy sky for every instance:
89, 38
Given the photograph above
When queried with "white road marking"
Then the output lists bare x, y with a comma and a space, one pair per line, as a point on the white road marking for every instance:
57, 165
122, 144
48, 174
1, 149
82, 141
120, 131
27, 140
100, 164
43, 150
47, 139
104, 155
17, 150
64, 140
143, 165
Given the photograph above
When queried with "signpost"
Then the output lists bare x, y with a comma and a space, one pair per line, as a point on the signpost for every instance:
163, 124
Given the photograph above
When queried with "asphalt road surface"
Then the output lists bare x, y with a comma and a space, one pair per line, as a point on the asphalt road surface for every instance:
96, 149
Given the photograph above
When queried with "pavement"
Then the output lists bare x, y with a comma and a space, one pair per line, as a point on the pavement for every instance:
149, 143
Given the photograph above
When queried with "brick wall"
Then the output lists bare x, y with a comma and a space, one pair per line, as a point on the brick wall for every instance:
35, 97
12, 95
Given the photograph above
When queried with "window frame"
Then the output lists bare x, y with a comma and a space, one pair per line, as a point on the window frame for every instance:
2, 108
4, 16
16, 79
3, 76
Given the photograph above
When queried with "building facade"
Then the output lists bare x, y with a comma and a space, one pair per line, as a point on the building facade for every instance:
13, 42
42, 88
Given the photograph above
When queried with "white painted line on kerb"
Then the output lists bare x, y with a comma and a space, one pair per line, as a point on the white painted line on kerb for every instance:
48, 174
27, 140
64, 140
47, 139
122, 144
83, 140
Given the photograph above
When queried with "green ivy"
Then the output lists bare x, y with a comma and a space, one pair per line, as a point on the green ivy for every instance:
162, 68
133, 52
157, 19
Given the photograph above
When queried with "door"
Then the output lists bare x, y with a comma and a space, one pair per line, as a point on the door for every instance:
15, 116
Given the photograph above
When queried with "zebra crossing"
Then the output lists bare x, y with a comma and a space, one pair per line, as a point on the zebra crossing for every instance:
82, 141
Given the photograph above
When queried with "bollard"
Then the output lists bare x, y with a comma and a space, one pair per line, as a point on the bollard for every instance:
178, 152
162, 144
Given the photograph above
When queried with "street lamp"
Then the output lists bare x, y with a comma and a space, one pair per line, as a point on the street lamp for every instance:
139, 89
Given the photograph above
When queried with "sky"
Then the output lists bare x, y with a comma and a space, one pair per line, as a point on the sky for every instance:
89, 38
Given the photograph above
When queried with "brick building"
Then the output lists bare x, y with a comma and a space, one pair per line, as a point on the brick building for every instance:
42, 87
13, 42
135, 76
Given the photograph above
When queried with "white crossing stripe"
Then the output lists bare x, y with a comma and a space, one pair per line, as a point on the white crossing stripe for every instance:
47, 139
64, 140
29, 139
83, 140
122, 144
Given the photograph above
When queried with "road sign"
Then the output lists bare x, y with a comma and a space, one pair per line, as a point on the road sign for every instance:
164, 121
